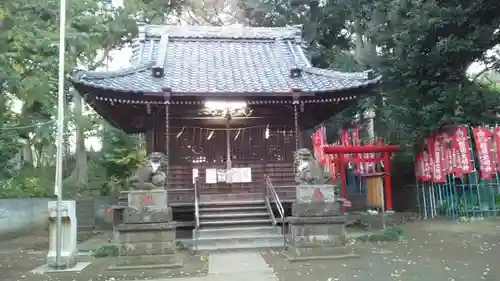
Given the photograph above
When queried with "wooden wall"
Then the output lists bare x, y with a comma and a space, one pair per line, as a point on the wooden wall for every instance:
281, 174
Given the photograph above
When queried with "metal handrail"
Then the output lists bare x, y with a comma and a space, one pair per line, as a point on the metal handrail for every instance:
269, 207
196, 203
196, 214
271, 192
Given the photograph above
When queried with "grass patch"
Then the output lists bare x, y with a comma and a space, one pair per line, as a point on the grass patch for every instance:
386, 235
106, 251
181, 246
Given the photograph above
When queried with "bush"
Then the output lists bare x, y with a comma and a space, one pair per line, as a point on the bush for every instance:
388, 234
29, 182
106, 251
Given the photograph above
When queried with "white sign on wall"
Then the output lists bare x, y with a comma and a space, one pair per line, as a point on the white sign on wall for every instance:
237, 175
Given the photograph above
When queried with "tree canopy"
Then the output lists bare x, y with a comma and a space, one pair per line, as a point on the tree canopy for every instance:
423, 49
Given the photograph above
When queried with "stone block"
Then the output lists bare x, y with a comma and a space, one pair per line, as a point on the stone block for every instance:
140, 227
147, 215
312, 235
147, 262
315, 193
317, 209
68, 241
147, 236
147, 248
151, 198
316, 236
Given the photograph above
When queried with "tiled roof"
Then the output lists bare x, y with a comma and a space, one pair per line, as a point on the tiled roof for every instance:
240, 60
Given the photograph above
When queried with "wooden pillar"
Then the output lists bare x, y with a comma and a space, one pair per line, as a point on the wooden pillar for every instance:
296, 105
149, 138
387, 181
343, 178
229, 164
167, 141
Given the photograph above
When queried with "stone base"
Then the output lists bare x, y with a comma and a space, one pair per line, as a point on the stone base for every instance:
147, 262
146, 239
66, 261
317, 209
308, 193
68, 250
43, 269
140, 198
147, 214
316, 238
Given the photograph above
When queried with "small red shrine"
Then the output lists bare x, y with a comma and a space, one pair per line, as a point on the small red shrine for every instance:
384, 149
337, 158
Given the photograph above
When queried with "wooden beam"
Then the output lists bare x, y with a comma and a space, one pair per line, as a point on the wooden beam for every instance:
235, 122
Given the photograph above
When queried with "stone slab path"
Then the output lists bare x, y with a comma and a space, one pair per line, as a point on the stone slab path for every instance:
241, 266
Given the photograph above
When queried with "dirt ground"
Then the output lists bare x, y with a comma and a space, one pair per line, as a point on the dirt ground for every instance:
430, 250
21, 255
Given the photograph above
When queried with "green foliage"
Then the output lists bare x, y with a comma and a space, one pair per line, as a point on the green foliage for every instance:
106, 251
181, 246
29, 182
120, 157
29, 39
421, 48
426, 49
387, 235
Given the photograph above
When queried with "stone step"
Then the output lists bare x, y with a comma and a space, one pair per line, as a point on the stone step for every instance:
239, 239
235, 203
232, 208
236, 221
211, 232
204, 215
237, 243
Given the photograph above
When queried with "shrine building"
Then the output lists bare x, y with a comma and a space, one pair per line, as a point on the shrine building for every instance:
218, 99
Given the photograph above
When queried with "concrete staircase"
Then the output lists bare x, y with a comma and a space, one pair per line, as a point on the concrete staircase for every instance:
231, 225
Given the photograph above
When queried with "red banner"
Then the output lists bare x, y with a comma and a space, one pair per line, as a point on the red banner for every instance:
434, 144
318, 141
447, 152
419, 167
355, 136
427, 176
331, 165
496, 138
344, 137
482, 139
460, 143
357, 156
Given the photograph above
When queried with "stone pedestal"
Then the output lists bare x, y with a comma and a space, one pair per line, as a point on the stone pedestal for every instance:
146, 236
316, 229
68, 235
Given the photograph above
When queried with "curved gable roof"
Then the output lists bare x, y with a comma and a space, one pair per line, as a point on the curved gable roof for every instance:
196, 60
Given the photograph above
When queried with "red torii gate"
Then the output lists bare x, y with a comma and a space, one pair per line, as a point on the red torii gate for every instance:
385, 149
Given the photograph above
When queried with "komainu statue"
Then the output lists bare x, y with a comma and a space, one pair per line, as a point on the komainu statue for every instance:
309, 171
150, 174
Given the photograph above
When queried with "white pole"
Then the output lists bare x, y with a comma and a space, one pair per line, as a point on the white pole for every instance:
60, 128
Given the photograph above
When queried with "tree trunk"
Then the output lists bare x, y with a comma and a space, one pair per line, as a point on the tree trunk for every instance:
27, 153
79, 176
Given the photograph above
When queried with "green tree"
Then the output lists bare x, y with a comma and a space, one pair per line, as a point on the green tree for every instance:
29, 35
